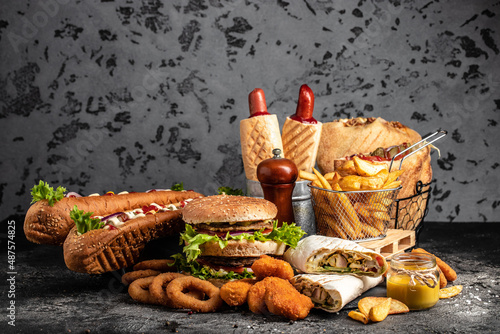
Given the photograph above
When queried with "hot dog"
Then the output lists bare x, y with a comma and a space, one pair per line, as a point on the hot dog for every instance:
119, 243
259, 134
48, 219
301, 132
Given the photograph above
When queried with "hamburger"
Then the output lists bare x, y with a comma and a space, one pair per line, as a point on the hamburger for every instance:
224, 235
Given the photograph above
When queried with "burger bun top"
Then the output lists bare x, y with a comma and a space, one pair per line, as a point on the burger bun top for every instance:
228, 208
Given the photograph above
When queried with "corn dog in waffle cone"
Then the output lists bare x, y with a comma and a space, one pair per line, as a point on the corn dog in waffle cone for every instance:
259, 134
300, 143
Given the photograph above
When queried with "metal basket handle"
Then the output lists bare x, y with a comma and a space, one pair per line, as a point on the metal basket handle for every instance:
427, 141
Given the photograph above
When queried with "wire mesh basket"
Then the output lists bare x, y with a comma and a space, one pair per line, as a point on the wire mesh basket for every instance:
367, 214
353, 215
410, 212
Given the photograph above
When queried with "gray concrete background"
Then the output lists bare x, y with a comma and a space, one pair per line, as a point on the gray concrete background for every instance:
134, 95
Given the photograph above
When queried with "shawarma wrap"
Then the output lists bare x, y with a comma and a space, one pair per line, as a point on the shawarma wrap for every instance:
332, 292
319, 254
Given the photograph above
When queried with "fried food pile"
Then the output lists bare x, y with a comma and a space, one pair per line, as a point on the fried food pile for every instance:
271, 293
354, 204
155, 282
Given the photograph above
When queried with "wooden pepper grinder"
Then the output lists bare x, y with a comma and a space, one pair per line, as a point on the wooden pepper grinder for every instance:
277, 177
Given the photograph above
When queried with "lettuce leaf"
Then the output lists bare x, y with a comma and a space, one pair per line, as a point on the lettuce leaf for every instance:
44, 191
84, 222
230, 191
204, 272
177, 187
287, 234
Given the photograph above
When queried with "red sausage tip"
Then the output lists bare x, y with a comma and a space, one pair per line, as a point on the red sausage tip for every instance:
305, 106
257, 103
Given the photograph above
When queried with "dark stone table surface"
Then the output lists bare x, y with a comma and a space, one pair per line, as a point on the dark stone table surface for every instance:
49, 298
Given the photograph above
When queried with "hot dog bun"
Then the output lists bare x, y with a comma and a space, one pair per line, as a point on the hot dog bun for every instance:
103, 250
345, 137
45, 224
300, 143
259, 136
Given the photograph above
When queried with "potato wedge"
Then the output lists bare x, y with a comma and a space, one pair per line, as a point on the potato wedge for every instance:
383, 175
350, 183
380, 311
347, 168
450, 291
367, 168
356, 315
392, 185
332, 176
393, 176
355, 182
397, 307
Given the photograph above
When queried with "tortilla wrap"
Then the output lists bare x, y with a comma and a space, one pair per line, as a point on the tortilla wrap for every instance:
319, 254
332, 292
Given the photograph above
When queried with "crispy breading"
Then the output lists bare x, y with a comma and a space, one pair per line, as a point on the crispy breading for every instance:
235, 293
256, 294
278, 296
268, 266
286, 301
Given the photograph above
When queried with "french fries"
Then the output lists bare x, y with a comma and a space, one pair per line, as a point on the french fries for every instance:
361, 213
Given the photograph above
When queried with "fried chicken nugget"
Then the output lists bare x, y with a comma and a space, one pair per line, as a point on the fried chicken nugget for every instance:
256, 294
268, 266
284, 300
278, 296
235, 293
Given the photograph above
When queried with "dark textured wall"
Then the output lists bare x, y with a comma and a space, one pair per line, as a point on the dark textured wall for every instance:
121, 95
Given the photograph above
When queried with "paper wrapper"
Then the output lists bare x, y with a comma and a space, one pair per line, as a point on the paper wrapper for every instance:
308, 249
342, 288
259, 135
300, 143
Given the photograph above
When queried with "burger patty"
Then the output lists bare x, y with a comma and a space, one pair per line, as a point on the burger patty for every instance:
229, 261
227, 227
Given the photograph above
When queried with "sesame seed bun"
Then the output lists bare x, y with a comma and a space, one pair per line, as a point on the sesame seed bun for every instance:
226, 208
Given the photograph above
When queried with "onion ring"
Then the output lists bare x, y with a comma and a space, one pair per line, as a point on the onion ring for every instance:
162, 265
131, 276
139, 290
157, 288
182, 300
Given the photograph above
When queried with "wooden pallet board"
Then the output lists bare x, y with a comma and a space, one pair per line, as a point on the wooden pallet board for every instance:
396, 241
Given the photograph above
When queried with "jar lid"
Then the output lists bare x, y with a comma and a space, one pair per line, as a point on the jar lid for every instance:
413, 260
277, 170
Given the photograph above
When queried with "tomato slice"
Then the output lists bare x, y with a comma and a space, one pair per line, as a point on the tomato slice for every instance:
380, 261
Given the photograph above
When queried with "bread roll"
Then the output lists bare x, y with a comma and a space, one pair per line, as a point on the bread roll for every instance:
346, 137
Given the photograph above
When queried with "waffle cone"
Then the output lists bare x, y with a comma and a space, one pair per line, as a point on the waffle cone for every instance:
300, 143
259, 136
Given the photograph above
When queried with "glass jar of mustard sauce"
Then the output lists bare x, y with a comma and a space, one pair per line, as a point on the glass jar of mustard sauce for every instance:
413, 278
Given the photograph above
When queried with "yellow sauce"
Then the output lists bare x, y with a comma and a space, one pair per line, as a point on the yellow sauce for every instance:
416, 297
